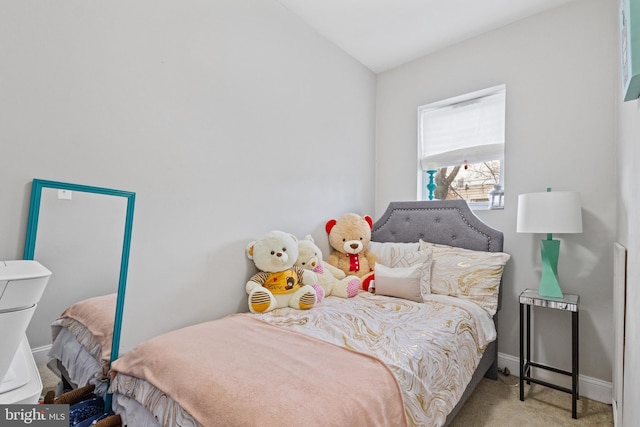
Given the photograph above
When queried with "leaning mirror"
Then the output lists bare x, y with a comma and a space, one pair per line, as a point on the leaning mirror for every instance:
83, 235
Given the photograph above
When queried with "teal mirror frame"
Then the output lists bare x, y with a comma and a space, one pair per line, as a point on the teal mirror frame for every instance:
30, 246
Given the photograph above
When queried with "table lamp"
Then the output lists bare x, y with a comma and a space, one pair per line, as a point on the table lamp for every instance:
549, 212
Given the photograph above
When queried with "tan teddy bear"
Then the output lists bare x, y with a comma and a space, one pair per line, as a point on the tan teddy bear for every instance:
333, 280
349, 236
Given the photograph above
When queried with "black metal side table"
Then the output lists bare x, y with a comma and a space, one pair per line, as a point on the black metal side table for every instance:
528, 298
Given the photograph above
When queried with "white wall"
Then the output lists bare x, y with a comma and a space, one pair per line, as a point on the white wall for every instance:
559, 69
227, 118
628, 234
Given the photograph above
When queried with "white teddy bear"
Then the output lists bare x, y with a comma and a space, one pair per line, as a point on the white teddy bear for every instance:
279, 283
333, 280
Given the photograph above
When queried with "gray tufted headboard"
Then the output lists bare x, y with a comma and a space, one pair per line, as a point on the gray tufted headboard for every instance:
448, 222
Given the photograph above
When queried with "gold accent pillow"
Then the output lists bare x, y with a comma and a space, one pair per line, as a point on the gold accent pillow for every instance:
467, 274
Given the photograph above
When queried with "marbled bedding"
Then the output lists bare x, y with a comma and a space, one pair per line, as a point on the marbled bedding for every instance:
432, 349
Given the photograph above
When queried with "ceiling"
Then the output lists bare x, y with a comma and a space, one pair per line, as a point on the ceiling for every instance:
383, 34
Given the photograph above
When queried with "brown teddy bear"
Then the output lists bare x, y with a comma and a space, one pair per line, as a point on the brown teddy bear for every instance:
349, 236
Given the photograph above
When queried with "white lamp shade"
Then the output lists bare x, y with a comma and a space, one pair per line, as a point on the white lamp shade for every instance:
549, 212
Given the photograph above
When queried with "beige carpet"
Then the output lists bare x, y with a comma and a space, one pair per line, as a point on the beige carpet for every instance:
497, 404
49, 379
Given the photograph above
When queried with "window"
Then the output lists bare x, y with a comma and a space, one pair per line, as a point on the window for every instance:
461, 146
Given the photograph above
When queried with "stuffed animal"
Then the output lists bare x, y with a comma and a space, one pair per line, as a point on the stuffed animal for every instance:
333, 280
349, 236
279, 283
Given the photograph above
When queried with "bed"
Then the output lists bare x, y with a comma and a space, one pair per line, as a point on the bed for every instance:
410, 354
81, 344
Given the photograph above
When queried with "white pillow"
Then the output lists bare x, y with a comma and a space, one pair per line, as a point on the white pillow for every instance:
388, 252
467, 274
400, 282
405, 255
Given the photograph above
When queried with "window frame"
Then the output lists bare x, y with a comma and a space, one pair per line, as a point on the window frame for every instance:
422, 193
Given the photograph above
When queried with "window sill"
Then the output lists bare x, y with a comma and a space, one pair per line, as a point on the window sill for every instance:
483, 206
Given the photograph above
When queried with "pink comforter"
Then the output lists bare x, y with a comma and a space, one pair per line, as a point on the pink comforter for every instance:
248, 372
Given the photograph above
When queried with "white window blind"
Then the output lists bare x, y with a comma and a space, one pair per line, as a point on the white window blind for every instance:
469, 128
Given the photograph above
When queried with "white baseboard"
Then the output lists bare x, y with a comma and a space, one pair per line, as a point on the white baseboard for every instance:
589, 387
616, 416
40, 354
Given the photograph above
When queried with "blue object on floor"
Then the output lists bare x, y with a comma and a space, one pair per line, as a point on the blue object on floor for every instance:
84, 410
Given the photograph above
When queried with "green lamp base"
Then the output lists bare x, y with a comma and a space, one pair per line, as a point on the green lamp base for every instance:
549, 286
